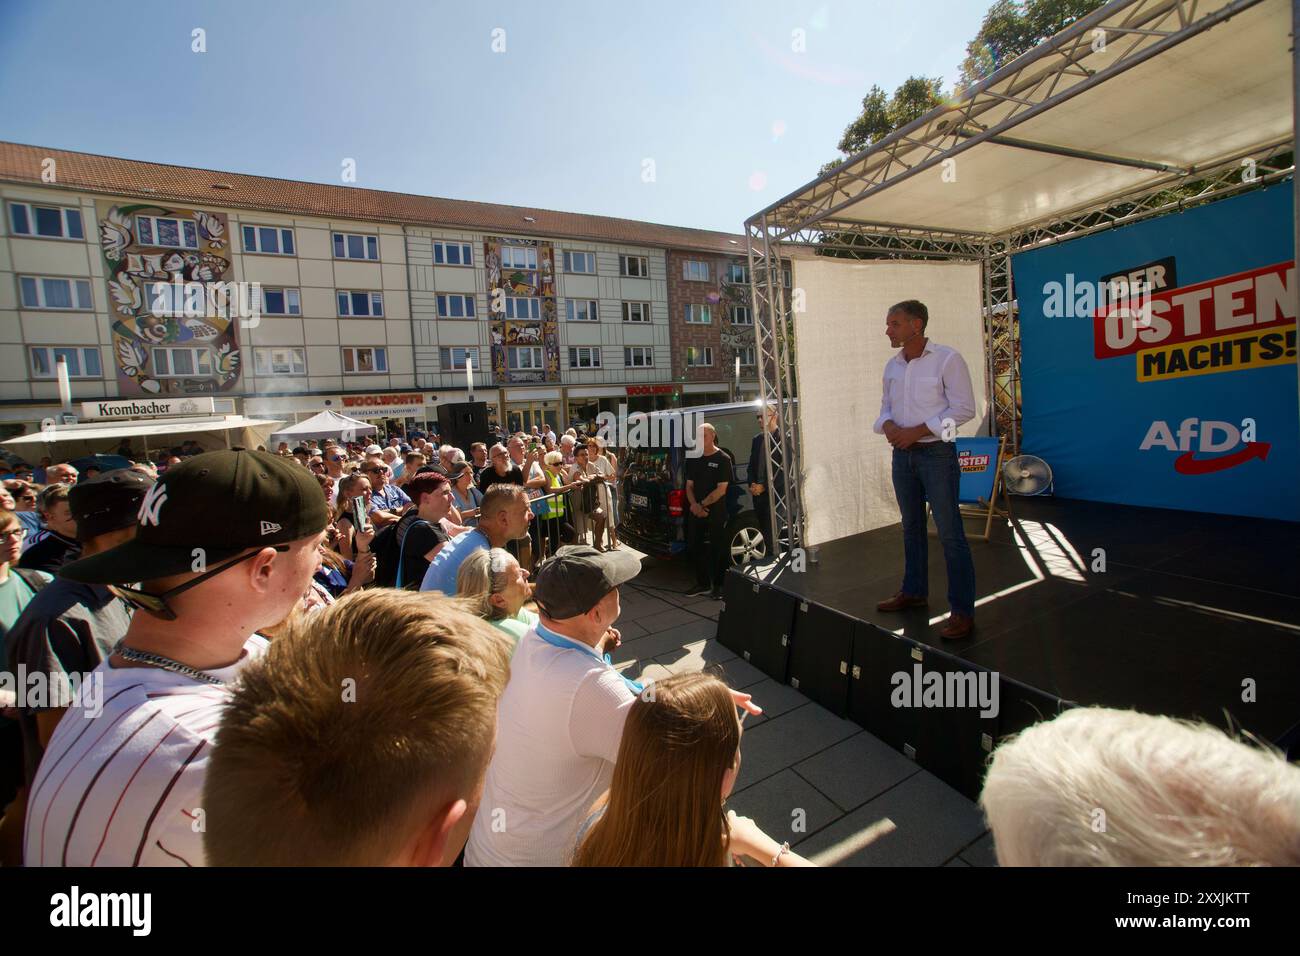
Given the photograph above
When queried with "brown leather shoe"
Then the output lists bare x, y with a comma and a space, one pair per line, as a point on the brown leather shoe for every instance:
901, 601
959, 626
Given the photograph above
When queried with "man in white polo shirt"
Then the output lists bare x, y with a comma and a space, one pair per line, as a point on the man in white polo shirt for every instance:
226, 545
561, 718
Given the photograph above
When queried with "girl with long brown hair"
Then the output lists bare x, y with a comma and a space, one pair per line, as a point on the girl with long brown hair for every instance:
677, 764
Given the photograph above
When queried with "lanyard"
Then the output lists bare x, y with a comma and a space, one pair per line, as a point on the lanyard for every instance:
562, 642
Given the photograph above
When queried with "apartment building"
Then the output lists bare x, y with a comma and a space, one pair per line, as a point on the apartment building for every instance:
375, 304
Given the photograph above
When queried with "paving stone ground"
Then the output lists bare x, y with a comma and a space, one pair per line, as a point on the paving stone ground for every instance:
838, 794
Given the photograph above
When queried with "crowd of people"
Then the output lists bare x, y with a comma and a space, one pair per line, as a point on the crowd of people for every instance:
342, 655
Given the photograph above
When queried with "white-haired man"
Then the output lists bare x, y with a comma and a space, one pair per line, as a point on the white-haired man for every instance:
1100, 787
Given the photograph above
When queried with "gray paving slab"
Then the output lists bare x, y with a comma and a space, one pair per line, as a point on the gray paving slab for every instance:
739, 674
696, 656
785, 806
932, 821
775, 698
646, 648
856, 770
782, 742
980, 853
662, 620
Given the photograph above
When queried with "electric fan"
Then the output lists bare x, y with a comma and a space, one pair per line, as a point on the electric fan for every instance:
1027, 475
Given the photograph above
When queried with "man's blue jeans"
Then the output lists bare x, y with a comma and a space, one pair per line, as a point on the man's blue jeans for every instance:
929, 471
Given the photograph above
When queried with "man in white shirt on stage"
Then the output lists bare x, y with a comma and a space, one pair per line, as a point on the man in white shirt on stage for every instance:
927, 395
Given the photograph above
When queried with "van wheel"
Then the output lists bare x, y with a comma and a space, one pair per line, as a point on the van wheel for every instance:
746, 542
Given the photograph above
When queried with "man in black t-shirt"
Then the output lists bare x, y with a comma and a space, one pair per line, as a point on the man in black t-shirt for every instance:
500, 470
707, 480
419, 532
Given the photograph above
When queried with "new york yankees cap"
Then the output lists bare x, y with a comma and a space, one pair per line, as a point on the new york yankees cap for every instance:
222, 502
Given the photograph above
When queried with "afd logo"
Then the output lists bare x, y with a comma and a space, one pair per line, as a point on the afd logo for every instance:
1211, 438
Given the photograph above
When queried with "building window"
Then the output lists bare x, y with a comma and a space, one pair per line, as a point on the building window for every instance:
634, 266
518, 257
580, 262
166, 233
45, 222
584, 357
362, 361
694, 270
737, 273
638, 356
44, 292
746, 357
583, 310
740, 315
524, 357
281, 302
518, 307
699, 315
268, 240
348, 245
360, 304
453, 359
82, 363
280, 361
785, 278
455, 306
636, 311
699, 357
181, 362
452, 254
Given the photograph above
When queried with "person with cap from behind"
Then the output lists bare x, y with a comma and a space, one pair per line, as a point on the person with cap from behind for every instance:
560, 720
226, 544
68, 628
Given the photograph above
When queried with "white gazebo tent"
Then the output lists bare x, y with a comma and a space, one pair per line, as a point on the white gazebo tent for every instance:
326, 424
90, 437
1088, 131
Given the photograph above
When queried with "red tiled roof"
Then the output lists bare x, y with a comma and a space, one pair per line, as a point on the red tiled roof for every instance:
88, 172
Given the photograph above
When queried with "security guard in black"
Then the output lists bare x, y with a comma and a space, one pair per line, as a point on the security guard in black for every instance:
705, 475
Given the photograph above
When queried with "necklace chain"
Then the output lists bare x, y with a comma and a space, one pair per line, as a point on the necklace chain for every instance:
165, 663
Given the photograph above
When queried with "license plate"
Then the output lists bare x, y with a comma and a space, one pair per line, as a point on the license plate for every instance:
639, 501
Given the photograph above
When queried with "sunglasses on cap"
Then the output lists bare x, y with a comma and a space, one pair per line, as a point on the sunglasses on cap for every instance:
156, 604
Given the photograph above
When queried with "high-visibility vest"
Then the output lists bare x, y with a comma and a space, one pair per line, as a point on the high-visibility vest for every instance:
554, 507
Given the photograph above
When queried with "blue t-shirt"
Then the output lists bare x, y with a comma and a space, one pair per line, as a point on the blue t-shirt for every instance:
441, 575
389, 498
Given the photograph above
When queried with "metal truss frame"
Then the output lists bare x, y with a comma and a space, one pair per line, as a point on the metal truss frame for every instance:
812, 221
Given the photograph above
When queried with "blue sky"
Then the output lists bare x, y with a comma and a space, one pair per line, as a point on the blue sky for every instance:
584, 93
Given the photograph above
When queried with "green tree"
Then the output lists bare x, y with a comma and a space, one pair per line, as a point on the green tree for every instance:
1011, 28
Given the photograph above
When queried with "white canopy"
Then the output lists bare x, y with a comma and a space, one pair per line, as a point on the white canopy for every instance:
96, 431
326, 424
1140, 94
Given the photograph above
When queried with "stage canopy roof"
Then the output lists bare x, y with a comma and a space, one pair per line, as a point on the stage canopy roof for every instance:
326, 424
1179, 87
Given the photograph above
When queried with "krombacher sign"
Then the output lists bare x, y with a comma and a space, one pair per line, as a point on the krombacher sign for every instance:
148, 407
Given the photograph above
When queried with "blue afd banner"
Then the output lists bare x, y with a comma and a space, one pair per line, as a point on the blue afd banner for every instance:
1158, 361
978, 458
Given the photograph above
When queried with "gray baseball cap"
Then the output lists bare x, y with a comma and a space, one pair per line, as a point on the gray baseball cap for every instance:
573, 580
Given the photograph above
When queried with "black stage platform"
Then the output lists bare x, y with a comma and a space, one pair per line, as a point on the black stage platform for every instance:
1194, 615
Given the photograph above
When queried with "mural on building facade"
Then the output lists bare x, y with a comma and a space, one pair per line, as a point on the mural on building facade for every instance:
522, 268
157, 350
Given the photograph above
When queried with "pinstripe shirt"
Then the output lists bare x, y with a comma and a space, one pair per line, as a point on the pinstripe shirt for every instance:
122, 787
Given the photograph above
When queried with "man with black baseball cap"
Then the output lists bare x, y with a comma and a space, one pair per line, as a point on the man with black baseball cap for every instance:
68, 628
226, 544
561, 717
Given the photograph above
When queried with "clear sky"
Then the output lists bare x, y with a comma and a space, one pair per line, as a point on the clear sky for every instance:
569, 115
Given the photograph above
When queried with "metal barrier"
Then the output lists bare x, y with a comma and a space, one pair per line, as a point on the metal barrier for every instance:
573, 523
